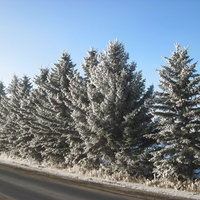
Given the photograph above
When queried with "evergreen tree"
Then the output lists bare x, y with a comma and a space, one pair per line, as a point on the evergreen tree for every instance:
3, 116
16, 120
25, 117
177, 110
79, 105
39, 126
52, 114
111, 118
11, 127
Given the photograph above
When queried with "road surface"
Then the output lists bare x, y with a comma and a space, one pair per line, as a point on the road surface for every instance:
21, 184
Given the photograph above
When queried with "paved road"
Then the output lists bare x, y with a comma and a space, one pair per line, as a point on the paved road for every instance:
21, 184
21, 187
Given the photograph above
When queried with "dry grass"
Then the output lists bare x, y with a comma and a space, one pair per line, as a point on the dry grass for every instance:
185, 185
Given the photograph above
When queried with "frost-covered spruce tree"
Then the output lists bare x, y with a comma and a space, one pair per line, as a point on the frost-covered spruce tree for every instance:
79, 105
2, 99
16, 121
177, 109
12, 126
3, 116
40, 124
54, 115
115, 120
119, 116
24, 117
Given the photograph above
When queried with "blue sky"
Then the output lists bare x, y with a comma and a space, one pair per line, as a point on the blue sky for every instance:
33, 33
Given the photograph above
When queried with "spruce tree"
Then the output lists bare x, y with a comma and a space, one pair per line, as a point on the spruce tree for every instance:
39, 126
79, 105
11, 126
112, 118
3, 117
25, 117
176, 108
52, 114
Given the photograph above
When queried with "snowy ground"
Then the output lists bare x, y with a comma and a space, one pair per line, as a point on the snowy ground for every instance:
67, 173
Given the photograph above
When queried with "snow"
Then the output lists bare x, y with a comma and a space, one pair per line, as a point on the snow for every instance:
72, 174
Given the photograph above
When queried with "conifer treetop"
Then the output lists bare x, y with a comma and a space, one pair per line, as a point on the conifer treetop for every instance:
176, 110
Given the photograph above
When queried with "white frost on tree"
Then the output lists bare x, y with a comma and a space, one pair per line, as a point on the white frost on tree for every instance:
79, 105
177, 111
3, 116
53, 116
111, 116
24, 118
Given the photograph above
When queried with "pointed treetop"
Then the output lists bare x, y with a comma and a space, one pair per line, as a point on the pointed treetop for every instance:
2, 89
39, 80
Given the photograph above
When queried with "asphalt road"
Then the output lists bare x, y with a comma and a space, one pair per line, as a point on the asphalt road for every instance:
20, 184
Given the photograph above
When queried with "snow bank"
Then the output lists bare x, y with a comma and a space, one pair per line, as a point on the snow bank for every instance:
71, 174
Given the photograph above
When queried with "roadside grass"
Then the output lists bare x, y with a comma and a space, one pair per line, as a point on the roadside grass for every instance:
181, 185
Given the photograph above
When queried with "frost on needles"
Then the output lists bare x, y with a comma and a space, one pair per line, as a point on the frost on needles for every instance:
176, 110
108, 108
106, 120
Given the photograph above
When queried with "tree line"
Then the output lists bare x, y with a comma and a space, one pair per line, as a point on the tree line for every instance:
106, 119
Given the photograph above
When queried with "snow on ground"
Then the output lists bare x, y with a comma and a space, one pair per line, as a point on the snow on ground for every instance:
66, 173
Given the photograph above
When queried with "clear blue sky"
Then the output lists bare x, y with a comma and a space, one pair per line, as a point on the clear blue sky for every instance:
33, 33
